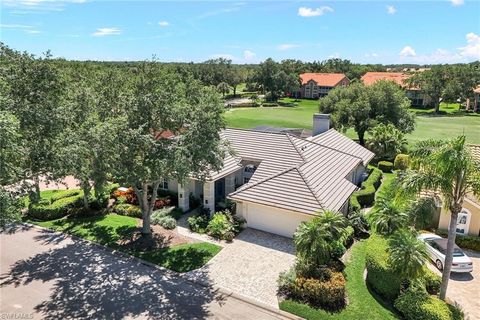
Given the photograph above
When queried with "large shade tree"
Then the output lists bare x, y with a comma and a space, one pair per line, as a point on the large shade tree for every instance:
161, 106
363, 107
448, 168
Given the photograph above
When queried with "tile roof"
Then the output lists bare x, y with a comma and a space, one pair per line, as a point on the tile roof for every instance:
323, 79
399, 78
296, 174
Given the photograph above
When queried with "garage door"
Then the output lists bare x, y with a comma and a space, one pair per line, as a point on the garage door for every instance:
274, 220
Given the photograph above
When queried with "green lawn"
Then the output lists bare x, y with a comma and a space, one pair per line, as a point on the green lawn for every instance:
362, 305
450, 123
108, 229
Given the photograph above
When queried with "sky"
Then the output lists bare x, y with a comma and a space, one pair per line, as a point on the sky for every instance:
395, 31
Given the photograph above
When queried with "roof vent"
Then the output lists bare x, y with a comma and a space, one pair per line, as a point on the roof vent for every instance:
321, 123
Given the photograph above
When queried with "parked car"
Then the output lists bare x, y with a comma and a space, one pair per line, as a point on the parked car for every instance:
437, 246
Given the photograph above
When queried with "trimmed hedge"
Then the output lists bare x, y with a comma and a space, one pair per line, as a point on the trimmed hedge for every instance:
380, 276
465, 242
58, 209
366, 195
385, 166
401, 161
65, 194
419, 305
432, 281
129, 210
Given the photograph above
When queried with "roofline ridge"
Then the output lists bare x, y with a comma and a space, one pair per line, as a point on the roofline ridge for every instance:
264, 179
309, 187
348, 154
251, 130
296, 148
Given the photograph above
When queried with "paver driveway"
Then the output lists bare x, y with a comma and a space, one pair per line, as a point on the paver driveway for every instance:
250, 265
52, 276
464, 288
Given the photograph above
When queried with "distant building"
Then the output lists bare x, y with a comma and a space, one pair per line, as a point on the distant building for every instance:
317, 85
476, 106
414, 94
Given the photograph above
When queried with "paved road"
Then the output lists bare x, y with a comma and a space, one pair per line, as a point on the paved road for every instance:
51, 276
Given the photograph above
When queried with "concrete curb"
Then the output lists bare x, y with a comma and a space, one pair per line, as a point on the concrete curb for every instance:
173, 274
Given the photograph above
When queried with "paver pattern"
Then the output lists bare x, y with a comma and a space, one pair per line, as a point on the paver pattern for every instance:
464, 288
250, 265
47, 275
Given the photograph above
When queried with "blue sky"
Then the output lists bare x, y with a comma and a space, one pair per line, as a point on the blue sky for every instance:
396, 31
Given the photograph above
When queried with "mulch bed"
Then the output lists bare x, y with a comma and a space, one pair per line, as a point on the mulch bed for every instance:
160, 238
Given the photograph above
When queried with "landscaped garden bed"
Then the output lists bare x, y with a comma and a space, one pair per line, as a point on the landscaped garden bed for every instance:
221, 225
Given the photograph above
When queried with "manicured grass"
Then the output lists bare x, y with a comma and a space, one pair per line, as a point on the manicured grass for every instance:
446, 125
105, 229
182, 258
387, 179
108, 229
362, 305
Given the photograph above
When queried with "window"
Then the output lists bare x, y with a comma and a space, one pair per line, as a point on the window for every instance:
250, 168
165, 184
245, 180
463, 221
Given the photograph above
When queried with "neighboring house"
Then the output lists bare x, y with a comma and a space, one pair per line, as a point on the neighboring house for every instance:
414, 94
468, 222
278, 180
317, 85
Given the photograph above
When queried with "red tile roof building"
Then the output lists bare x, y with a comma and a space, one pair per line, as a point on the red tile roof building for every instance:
316, 85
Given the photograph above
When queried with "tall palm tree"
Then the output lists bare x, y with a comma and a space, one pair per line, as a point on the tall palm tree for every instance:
446, 167
314, 239
407, 254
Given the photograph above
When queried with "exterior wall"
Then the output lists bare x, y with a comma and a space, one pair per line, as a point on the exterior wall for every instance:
173, 185
313, 90
271, 219
418, 99
474, 225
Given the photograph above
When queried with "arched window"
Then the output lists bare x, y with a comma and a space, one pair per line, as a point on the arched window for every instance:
463, 221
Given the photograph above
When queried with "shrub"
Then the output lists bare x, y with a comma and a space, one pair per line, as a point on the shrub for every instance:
128, 210
380, 276
198, 223
329, 294
358, 222
221, 226
365, 197
129, 195
65, 194
269, 104
167, 222
385, 166
171, 195
416, 304
55, 210
286, 281
465, 242
432, 281
111, 188
401, 161
98, 203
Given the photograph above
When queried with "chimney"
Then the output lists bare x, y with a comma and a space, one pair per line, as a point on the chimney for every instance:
321, 123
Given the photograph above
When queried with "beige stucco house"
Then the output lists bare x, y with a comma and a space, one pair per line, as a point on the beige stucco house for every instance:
468, 222
279, 180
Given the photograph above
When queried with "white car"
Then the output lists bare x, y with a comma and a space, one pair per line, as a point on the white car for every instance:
437, 246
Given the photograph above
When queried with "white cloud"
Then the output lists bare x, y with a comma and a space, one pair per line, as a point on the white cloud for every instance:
457, 2
391, 10
371, 55
106, 32
38, 6
15, 26
164, 23
472, 49
248, 55
407, 51
309, 12
33, 31
335, 55
287, 46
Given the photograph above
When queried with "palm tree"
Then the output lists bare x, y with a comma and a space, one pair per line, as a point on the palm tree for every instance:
314, 239
386, 141
421, 211
407, 254
388, 215
446, 167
